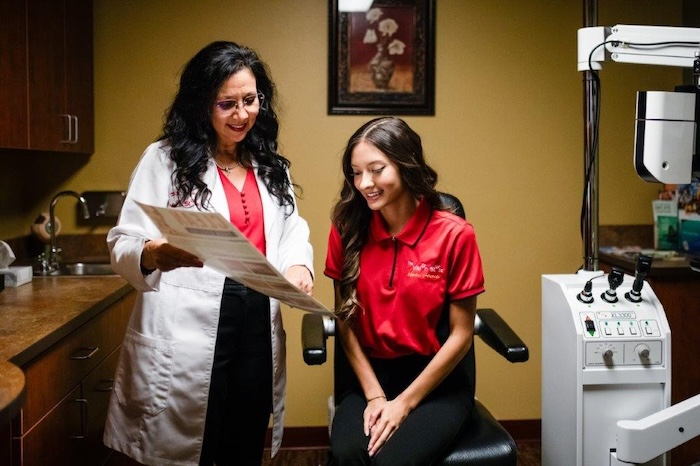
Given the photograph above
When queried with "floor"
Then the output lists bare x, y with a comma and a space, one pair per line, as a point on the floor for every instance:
528, 455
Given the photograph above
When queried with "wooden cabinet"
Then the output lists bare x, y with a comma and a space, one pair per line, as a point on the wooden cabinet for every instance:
14, 119
46, 75
680, 297
68, 389
6, 444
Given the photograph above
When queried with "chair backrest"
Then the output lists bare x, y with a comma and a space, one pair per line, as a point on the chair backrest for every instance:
468, 363
344, 377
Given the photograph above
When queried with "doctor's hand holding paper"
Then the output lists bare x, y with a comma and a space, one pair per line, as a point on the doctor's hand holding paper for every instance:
158, 254
202, 365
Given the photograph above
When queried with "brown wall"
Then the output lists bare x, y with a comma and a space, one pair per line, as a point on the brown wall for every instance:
506, 138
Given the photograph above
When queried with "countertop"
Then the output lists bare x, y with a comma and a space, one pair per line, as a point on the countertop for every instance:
35, 316
675, 268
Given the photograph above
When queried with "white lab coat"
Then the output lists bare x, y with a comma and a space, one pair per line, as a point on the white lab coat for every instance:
158, 407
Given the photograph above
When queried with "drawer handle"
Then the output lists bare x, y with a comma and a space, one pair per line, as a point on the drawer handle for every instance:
83, 419
105, 385
72, 125
75, 133
85, 353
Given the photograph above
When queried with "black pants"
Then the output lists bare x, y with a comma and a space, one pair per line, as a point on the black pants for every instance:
423, 436
240, 396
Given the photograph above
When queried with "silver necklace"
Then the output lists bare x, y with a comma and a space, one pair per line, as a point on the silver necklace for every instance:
226, 170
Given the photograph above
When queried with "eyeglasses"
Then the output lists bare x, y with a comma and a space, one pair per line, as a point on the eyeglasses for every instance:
250, 103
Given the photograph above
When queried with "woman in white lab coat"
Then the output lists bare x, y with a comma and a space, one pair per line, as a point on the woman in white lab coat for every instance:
203, 359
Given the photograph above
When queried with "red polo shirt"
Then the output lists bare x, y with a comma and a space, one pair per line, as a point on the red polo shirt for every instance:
405, 280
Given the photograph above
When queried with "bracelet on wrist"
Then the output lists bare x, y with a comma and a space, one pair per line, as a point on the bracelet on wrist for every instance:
376, 398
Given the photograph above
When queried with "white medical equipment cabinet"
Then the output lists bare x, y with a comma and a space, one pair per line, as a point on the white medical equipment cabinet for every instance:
606, 342
605, 358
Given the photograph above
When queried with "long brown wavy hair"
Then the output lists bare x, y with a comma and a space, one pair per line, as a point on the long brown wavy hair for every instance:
351, 214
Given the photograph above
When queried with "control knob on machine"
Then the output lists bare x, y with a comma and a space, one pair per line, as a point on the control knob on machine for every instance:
615, 278
642, 269
642, 351
608, 357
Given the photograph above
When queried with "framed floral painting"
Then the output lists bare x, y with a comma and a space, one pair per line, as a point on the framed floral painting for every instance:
381, 57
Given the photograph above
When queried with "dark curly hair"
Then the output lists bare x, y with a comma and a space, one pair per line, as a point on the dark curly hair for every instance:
351, 215
192, 138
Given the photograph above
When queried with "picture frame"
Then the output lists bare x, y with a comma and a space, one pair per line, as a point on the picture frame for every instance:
382, 59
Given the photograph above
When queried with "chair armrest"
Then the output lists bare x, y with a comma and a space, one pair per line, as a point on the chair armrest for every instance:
315, 330
489, 326
495, 332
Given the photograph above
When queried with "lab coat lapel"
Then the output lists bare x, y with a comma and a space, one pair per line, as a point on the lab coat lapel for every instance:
270, 208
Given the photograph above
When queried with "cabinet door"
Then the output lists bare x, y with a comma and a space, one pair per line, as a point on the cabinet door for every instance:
13, 75
58, 106
49, 123
46, 75
6, 444
58, 437
79, 74
97, 388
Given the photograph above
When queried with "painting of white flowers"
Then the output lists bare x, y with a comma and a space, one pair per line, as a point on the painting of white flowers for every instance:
381, 58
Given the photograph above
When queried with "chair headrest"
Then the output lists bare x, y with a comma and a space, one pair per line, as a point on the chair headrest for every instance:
453, 203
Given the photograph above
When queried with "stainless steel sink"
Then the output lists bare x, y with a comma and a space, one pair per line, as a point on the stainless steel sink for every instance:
83, 269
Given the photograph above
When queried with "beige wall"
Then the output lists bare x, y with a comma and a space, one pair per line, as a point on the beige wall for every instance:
506, 138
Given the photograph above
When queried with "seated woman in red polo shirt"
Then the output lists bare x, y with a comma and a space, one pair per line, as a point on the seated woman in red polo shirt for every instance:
399, 260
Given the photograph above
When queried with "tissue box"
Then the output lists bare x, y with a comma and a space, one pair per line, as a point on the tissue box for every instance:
17, 275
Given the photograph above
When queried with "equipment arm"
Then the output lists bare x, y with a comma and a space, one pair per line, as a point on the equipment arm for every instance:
643, 440
648, 45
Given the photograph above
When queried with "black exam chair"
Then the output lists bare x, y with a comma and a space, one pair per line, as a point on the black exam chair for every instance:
482, 441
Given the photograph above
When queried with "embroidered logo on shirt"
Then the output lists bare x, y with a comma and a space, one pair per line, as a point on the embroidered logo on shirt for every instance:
174, 202
425, 271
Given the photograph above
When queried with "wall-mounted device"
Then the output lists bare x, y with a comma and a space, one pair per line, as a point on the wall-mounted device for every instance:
666, 140
665, 131
104, 207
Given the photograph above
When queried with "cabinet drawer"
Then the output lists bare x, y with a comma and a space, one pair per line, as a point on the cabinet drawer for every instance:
55, 441
58, 370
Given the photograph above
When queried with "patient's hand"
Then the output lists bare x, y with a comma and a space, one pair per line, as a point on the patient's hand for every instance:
383, 420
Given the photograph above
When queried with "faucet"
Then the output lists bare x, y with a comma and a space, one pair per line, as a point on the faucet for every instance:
51, 263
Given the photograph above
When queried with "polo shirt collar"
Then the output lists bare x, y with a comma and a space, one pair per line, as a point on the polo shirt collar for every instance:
410, 233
